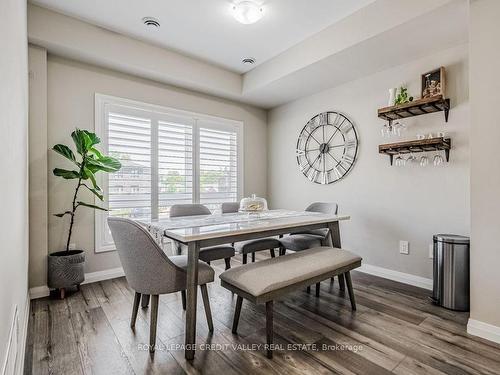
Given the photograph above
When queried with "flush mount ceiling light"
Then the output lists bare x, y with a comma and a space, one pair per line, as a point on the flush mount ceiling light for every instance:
151, 22
247, 12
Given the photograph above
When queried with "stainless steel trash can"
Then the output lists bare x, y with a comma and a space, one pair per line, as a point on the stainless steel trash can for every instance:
451, 271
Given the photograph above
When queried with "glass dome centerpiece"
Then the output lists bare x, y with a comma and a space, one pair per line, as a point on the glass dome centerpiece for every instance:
253, 204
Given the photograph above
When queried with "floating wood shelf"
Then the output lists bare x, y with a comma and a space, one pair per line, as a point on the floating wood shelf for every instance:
424, 145
416, 108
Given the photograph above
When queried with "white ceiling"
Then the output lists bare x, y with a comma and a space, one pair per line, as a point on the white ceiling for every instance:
205, 29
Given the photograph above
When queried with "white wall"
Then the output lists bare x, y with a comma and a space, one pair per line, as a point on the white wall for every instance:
485, 161
387, 203
14, 180
70, 99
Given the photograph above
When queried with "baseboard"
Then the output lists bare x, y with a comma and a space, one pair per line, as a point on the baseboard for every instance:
483, 330
24, 336
112, 273
13, 363
401, 277
39, 292
91, 277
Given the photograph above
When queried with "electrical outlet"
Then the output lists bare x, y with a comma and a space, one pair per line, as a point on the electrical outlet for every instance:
72, 246
404, 247
431, 251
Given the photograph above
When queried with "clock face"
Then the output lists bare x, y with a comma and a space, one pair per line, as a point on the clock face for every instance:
327, 147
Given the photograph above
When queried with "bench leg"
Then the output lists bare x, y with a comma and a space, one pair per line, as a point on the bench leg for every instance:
342, 282
206, 304
183, 297
272, 253
245, 257
237, 311
253, 257
308, 290
269, 328
228, 263
318, 286
350, 290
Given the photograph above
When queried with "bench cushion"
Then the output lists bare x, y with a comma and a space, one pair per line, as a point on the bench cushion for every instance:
272, 274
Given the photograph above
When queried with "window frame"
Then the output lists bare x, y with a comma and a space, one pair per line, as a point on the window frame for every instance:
103, 103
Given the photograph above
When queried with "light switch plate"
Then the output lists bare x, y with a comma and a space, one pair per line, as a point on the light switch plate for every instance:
404, 247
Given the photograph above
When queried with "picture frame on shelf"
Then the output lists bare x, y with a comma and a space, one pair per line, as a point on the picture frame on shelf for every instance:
433, 83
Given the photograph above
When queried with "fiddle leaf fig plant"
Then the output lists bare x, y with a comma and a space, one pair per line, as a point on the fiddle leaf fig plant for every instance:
89, 162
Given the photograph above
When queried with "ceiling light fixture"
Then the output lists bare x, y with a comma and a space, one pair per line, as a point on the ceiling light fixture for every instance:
247, 12
151, 22
248, 61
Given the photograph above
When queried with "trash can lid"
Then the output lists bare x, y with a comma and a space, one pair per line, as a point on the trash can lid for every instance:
452, 238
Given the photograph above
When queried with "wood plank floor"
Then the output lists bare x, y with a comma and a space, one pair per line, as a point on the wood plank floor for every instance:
395, 330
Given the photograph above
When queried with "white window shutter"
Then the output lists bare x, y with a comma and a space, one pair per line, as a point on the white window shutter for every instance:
129, 189
218, 168
175, 163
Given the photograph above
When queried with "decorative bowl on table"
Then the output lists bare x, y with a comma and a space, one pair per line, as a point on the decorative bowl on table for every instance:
253, 204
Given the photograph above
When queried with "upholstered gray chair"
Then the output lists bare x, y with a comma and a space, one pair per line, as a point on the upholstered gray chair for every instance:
304, 240
251, 246
207, 254
308, 239
149, 271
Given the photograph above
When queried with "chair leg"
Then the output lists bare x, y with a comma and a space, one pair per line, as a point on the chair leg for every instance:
228, 263
308, 290
253, 257
272, 253
153, 322
350, 290
145, 301
282, 251
135, 308
245, 258
341, 282
318, 286
269, 328
183, 297
206, 304
237, 311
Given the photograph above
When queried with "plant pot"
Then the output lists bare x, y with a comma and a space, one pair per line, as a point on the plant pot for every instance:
65, 269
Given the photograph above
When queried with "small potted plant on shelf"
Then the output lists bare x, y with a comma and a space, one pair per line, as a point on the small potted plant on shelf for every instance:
65, 268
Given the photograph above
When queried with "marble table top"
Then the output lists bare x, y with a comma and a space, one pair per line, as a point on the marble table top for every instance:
202, 227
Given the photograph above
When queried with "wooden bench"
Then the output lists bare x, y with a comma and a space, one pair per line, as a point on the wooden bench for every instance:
267, 280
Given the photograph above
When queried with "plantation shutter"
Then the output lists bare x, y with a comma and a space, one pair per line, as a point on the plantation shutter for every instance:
218, 165
129, 140
175, 162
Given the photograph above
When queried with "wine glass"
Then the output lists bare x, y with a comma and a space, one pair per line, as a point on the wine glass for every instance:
411, 159
400, 161
438, 159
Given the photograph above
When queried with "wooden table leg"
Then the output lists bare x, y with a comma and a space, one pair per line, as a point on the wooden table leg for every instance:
191, 299
334, 230
335, 234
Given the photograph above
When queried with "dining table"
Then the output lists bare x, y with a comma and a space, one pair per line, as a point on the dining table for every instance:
195, 232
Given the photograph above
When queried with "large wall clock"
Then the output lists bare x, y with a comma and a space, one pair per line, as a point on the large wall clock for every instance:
327, 147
